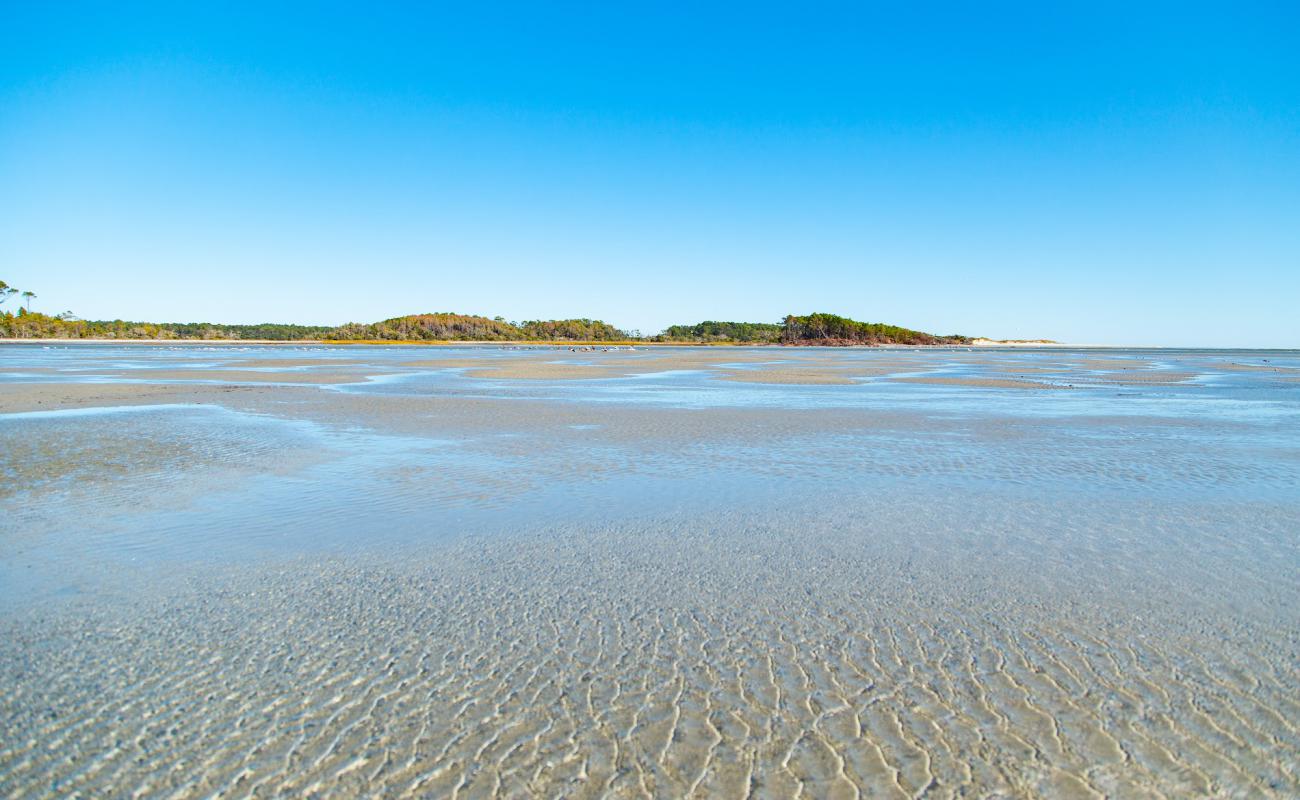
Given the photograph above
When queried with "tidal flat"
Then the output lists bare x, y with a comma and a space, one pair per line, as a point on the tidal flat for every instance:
290, 571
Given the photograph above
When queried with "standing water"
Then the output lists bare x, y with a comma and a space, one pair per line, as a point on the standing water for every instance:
410, 571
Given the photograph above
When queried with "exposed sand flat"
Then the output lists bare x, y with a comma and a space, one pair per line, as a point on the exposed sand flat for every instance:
406, 414
833, 356
983, 383
1018, 343
290, 363
445, 363
29, 370
1142, 376
1115, 363
192, 450
239, 376
689, 439
52, 396
807, 373
302, 368
690, 359
789, 366
615, 425
805, 377
1234, 366
775, 366
542, 370
1020, 370
554, 366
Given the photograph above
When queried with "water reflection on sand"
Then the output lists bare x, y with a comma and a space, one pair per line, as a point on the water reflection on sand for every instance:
386, 571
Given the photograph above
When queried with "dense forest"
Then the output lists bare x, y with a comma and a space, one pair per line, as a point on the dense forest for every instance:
812, 329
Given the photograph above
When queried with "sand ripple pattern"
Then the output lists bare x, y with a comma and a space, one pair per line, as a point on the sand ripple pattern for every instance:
594, 666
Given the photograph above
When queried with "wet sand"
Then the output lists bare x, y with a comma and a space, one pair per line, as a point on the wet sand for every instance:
237, 376
804, 377
1234, 366
443, 363
282, 363
543, 370
1146, 376
441, 584
982, 383
20, 397
1113, 363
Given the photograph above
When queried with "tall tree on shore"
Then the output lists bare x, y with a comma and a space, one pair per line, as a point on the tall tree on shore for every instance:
6, 291
28, 297
791, 328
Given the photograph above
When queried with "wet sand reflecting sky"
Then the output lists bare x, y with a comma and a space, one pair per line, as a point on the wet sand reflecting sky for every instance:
288, 571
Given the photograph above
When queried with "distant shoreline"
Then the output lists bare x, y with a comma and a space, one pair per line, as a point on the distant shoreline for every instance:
816, 329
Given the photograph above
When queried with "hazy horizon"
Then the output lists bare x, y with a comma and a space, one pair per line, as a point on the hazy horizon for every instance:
1100, 176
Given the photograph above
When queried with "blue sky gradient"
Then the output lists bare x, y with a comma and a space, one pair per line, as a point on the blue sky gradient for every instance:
1097, 173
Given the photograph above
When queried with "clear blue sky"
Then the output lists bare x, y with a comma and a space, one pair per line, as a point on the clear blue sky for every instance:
1125, 173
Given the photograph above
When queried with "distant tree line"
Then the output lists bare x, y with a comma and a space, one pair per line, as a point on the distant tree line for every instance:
33, 325
264, 330
463, 327
832, 329
748, 332
417, 327
812, 329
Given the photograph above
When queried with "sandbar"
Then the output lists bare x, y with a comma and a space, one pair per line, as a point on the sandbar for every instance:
238, 376
796, 377
982, 383
16, 397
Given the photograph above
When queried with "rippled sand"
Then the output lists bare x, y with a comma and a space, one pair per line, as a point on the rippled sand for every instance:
631, 662
435, 584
